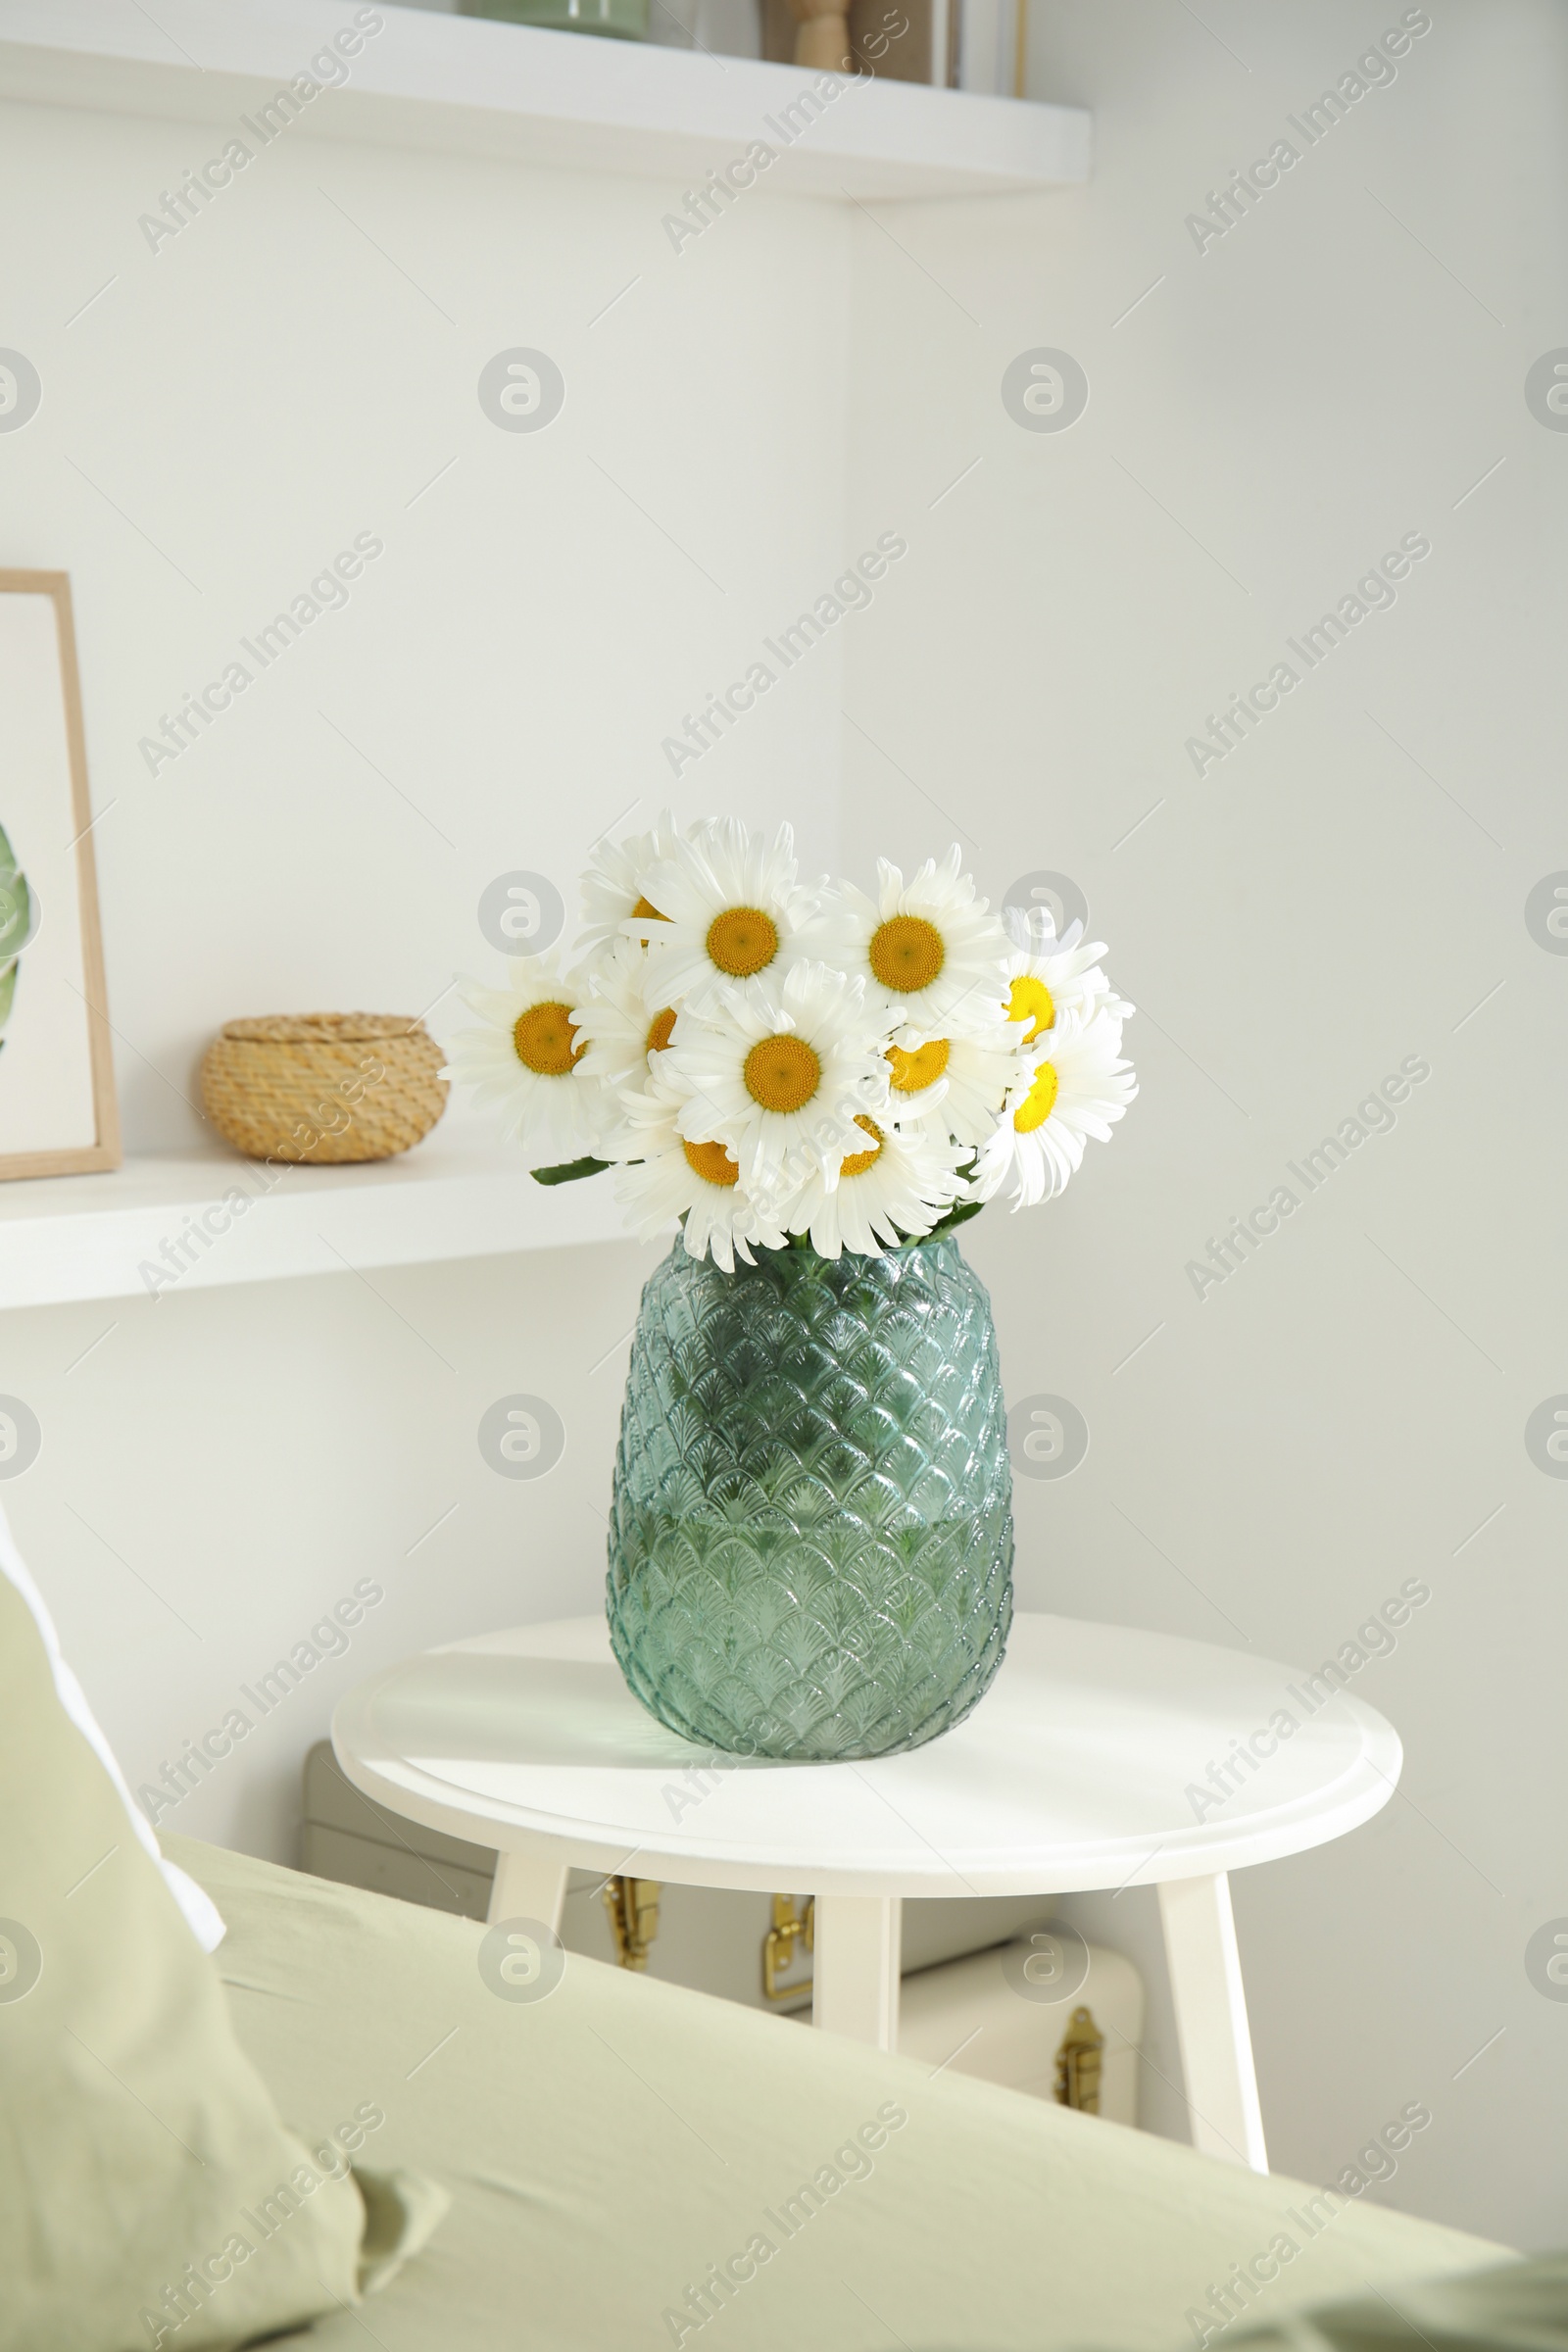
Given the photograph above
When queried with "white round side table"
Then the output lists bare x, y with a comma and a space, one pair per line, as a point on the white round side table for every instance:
1101, 1757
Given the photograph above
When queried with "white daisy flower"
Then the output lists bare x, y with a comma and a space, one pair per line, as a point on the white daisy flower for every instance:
928, 950
524, 1060
613, 887
966, 1077
730, 910
783, 1081
1074, 1085
621, 1030
699, 1183
956, 1083
899, 1183
1047, 976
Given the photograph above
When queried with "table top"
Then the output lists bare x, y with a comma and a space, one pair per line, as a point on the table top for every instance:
1087, 1765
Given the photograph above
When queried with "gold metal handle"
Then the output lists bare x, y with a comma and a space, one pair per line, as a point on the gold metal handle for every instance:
790, 1929
633, 1908
1078, 2064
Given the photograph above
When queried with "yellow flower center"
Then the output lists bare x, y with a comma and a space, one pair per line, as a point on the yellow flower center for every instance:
1030, 1000
741, 941
660, 1030
913, 1071
643, 912
782, 1073
907, 953
858, 1161
544, 1040
1036, 1107
712, 1162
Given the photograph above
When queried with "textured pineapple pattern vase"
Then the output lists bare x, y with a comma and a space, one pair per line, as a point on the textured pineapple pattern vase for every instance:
810, 1538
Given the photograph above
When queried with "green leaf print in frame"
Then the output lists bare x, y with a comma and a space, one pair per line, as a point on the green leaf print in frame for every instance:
17, 922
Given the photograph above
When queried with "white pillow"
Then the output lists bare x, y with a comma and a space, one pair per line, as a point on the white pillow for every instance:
201, 1912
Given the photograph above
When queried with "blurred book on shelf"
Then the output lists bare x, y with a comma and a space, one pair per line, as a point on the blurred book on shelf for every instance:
956, 44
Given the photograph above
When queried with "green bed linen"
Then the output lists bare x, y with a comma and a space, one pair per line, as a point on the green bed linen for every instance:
1508, 2306
150, 2191
621, 2143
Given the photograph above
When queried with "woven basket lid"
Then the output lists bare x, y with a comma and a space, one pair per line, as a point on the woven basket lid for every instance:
315, 1028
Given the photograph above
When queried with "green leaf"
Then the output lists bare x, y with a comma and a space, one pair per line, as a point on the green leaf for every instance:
958, 1214
17, 908
569, 1170
8, 989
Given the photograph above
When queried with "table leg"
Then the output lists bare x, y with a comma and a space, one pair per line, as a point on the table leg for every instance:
855, 1967
529, 1883
1206, 1982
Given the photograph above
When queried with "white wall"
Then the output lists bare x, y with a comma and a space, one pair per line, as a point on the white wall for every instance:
268, 384
1284, 1452
223, 419
1341, 1413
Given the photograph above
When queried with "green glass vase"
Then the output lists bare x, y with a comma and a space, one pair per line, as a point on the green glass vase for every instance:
810, 1536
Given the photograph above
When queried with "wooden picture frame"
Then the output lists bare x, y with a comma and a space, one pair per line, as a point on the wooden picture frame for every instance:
58, 1113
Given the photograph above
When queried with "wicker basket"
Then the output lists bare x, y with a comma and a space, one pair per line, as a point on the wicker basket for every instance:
323, 1087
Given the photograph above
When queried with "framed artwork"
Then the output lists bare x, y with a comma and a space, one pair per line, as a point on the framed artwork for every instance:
58, 1115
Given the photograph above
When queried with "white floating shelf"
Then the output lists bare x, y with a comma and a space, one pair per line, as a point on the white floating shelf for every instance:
65, 1237
462, 86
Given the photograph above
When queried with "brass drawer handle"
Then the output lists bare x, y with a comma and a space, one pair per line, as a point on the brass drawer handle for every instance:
790, 1929
633, 1908
1078, 2064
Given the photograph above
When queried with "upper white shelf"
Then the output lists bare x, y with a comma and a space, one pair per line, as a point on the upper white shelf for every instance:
65, 1237
464, 86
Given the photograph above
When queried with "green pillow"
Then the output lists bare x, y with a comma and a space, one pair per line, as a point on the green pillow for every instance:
149, 2192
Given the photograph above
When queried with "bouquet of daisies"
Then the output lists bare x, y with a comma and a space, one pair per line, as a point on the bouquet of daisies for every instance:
774, 1064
